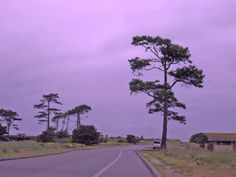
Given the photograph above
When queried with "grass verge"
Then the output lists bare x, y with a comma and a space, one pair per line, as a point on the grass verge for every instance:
192, 162
15, 149
32, 148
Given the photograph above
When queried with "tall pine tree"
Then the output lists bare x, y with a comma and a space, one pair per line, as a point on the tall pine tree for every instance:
173, 61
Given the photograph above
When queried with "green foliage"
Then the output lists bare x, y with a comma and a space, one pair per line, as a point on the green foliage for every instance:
86, 134
3, 130
47, 135
137, 86
46, 109
131, 139
164, 56
138, 63
9, 118
62, 134
78, 112
189, 75
82, 109
199, 138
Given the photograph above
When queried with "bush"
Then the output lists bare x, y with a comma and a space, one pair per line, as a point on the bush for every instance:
3, 130
131, 139
199, 138
62, 134
47, 136
121, 140
86, 134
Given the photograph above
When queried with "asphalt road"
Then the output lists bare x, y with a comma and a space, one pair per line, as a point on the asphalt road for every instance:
112, 162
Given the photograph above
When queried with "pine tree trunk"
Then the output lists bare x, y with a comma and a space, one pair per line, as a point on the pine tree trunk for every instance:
8, 130
165, 118
63, 124
57, 125
78, 121
48, 118
164, 131
67, 124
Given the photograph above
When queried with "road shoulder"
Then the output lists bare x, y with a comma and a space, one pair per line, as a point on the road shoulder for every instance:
152, 170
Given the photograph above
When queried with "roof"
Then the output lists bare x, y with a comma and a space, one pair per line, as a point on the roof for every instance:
221, 136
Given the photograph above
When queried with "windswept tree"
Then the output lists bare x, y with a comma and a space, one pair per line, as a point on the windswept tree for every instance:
79, 111
173, 63
9, 118
47, 110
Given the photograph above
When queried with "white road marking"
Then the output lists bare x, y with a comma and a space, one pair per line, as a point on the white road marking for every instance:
108, 166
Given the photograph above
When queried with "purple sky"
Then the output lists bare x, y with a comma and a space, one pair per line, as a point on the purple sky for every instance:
80, 50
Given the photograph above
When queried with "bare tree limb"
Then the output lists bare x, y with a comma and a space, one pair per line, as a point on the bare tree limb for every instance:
173, 84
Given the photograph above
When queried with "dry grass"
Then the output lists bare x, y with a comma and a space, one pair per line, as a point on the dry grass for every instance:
193, 162
31, 148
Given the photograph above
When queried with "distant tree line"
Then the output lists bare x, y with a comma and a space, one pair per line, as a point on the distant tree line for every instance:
50, 113
57, 122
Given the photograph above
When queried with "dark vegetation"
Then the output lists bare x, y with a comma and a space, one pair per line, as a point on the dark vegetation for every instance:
62, 134
9, 118
86, 134
47, 135
132, 139
49, 112
199, 138
3, 130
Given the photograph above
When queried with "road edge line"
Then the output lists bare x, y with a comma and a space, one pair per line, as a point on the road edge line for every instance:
152, 170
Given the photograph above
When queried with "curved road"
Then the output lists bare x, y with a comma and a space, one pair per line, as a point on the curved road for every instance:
112, 162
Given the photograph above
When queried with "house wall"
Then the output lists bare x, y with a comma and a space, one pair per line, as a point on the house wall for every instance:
223, 147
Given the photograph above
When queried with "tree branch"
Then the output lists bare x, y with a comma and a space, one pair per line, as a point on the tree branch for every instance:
173, 84
154, 67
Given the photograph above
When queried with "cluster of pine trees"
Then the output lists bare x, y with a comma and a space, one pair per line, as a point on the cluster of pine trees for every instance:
48, 113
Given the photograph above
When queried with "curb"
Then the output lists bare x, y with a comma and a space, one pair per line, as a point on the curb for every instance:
152, 170
28, 157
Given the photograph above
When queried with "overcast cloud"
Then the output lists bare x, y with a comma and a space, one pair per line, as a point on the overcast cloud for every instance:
80, 50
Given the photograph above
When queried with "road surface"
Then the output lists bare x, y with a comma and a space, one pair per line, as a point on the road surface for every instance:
112, 162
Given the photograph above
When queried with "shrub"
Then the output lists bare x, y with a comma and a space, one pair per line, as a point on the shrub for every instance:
3, 130
199, 138
47, 136
62, 134
121, 140
86, 134
131, 139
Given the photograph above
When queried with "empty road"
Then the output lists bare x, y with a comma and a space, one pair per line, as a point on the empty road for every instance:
112, 162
